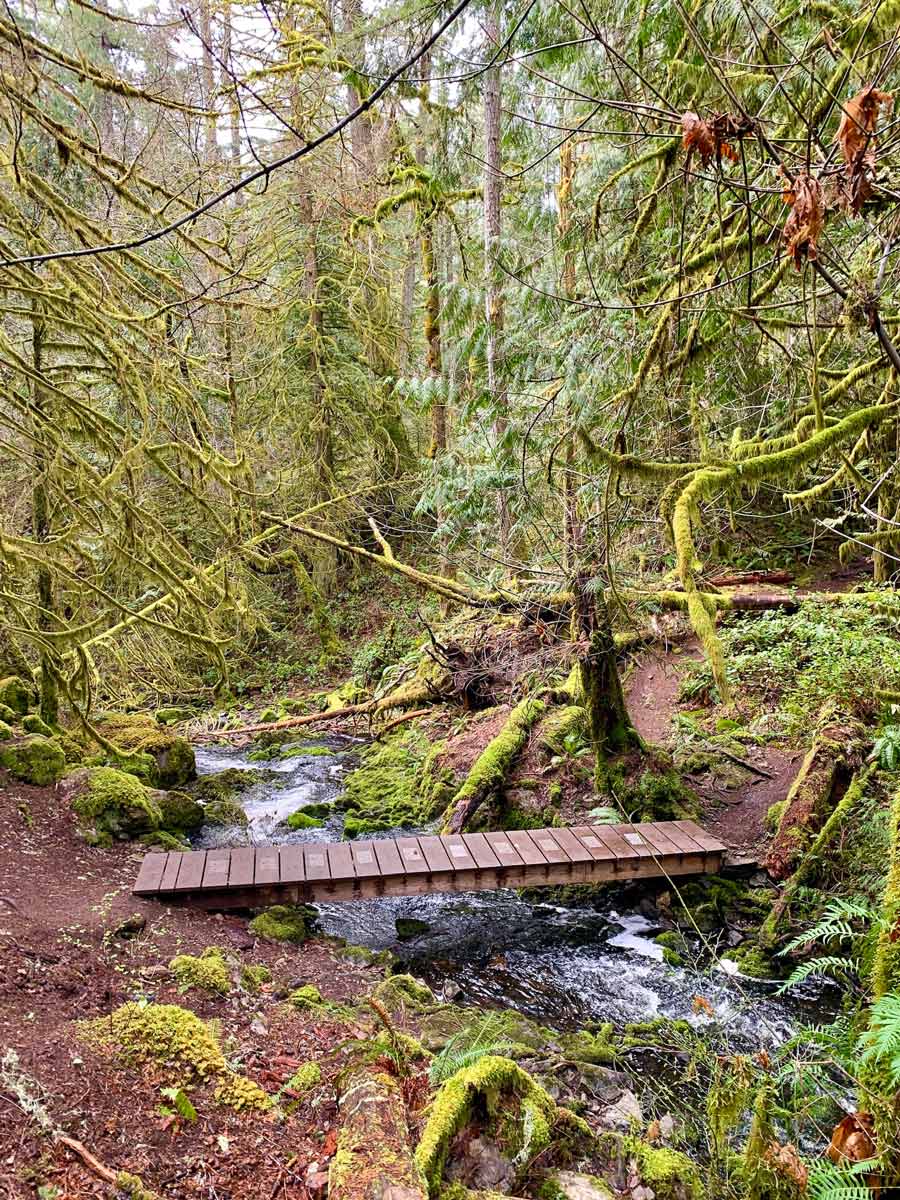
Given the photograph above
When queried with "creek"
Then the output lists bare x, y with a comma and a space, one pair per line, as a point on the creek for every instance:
566, 966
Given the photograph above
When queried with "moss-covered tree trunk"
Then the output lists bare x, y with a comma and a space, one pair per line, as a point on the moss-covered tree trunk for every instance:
374, 1158
610, 727
40, 510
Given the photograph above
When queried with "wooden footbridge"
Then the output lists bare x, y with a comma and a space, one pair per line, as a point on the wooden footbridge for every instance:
251, 876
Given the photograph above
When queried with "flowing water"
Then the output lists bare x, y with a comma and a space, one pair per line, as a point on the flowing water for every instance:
564, 966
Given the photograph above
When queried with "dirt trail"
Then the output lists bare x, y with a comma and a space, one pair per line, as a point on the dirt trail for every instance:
735, 814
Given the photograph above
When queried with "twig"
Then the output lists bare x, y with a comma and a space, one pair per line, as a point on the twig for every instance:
94, 1164
407, 716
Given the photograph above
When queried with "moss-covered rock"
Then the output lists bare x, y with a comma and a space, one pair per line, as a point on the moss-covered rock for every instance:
305, 1078
18, 694
306, 998
410, 927
161, 839
774, 813
33, 759
5, 731
285, 923
268, 715
383, 792
668, 1173
253, 976
163, 759
109, 804
303, 820
180, 812
173, 714
402, 991
673, 946
9, 715
166, 1034
208, 971
217, 794
224, 814
240, 1093
32, 723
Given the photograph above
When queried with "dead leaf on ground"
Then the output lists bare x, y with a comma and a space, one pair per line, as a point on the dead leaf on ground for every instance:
855, 136
806, 219
786, 1161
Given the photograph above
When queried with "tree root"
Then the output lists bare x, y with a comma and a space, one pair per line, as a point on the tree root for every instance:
492, 765
93, 1164
374, 1159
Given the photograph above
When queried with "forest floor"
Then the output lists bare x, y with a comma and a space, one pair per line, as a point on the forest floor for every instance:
75, 944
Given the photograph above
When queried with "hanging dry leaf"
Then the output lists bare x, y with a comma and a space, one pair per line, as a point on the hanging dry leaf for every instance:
853, 1139
709, 138
806, 219
855, 136
785, 1161
701, 1005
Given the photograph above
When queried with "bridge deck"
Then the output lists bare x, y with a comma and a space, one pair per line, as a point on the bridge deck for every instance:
410, 866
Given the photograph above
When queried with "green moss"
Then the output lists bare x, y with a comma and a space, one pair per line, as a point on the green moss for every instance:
34, 759
111, 804
305, 1078
402, 991
254, 976
670, 1174
383, 792
268, 716
165, 760
565, 729
303, 820
523, 1114
32, 723
132, 1187
174, 714
306, 998
673, 947
180, 812
753, 960
307, 751
242, 1094
7, 714
284, 923
161, 839
5, 731
17, 694
587, 1046
774, 813
224, 814
410, 927
209, 971
166, 1034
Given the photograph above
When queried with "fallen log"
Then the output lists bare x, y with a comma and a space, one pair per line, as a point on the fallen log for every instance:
374, 1158
328, 714
492, 765
743, 578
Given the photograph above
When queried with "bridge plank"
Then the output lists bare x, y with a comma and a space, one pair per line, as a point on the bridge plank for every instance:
528, 851
266, 867
485, 858
610, 837
632, 836
315, 862
292, 867
505, 851
388, 858
215, 873
151, 873
575, 849
170, 873
660, 840
243, 864
340, 860
364, 861
435, 854
680, 837
703, 839
597, 849
460, 858
412, 857
551, 849
190, 871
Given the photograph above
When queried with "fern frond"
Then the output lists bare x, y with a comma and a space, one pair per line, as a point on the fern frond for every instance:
828, 1182
881, 1041
827, 965
834, 923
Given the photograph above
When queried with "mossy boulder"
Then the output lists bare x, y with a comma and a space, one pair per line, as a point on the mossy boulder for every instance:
180, 812
253, 976
109, 804
173, 714
9, 715
166, 1034
667, 1173
403, 991
305, 1078
6, 731
34, 759
18, 694
224, 814
285, 923
240, 1093
306, 998
32, 723
385, 791
162, 758
410, 927
303, 820
207, 971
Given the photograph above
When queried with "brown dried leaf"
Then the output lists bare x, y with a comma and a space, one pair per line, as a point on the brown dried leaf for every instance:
855, 136
708, 137
853, 1139
700, 1004
806, 219
785, 1161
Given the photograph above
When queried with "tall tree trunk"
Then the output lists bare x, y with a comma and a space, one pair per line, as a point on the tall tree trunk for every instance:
361, 129
493, 295
40, 509
573, 537
610, 727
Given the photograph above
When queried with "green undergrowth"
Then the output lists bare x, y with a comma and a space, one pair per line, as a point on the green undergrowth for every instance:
285, 923
208, 971
398, 784
822, 652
